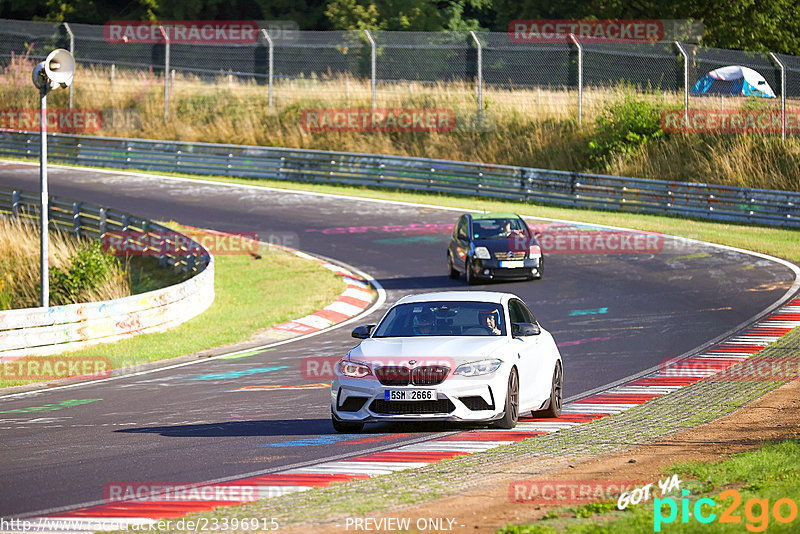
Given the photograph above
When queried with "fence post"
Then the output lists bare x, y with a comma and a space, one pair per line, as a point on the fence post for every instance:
265, 33
480, 70
166, 71
783, 94
71, 51
580, 78
373, 64
683, 53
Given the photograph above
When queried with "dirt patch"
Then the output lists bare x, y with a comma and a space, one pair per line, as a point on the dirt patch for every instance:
775, 416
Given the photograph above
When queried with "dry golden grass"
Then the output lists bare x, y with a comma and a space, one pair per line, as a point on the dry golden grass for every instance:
19, 266
535, 127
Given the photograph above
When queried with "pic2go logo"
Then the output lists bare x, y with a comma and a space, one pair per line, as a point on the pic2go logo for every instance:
756, 511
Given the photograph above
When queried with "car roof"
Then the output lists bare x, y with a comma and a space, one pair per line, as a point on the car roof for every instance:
495, 215
467, 296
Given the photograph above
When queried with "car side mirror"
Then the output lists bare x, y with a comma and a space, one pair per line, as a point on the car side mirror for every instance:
525, 329
363, 331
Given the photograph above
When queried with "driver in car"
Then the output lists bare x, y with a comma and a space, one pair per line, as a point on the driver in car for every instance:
424, 323
490, 320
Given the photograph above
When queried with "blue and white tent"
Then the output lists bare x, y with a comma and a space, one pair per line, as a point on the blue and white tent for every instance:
733, 80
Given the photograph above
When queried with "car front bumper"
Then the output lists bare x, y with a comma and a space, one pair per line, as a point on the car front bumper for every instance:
468, 399
495, 269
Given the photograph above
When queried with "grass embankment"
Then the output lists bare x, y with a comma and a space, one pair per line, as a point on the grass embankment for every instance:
747, 486
532, 127
252, 295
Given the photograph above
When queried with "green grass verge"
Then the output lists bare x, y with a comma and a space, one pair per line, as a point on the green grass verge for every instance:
251, 295
764, 475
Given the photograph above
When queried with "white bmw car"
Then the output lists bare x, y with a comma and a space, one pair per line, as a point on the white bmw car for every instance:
470, 356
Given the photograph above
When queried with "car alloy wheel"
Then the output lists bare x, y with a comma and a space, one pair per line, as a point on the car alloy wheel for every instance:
556, 395
511, 415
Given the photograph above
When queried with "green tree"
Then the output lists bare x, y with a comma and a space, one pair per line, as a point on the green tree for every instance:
411, 15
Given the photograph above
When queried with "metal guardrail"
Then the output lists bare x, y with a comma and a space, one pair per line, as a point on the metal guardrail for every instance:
573, 189
38, 331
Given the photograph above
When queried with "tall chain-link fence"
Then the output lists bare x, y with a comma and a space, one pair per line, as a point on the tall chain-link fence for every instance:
468, 70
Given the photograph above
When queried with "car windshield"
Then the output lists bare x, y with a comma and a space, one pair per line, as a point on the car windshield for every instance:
457, 318
497, 228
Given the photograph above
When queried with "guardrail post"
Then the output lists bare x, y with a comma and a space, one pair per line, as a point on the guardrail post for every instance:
480, 70
103, 222
373, 64
166, 71
580, 78
783, 94
15, 204
71, 51
265, 33
76, 218
685, 56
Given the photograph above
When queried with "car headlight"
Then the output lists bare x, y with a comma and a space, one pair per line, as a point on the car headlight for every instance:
482, 253
483, 367
353, 369
535, 251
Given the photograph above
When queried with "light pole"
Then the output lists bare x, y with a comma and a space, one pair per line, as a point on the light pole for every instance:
54, 72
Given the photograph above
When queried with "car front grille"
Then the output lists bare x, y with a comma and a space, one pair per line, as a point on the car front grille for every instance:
393, 375
426, 375
510, 255
441, 406
429, 375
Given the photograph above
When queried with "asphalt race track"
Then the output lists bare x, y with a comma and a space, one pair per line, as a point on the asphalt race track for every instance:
612, 315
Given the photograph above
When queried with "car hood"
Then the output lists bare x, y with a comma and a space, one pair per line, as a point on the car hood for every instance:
458, 349
502, 244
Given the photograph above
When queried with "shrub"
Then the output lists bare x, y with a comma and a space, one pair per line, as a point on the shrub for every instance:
622, 129
88, 269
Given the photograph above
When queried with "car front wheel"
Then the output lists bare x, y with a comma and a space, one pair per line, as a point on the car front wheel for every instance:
454, 274
556, 396
470, 277
511, 415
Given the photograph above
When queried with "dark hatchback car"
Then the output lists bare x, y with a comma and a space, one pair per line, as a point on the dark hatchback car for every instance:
493, 246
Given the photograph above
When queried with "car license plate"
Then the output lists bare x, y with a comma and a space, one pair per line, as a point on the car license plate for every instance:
512, 263
409, 394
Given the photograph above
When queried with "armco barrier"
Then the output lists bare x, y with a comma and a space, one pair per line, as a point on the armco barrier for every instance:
716, 202
39, 331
